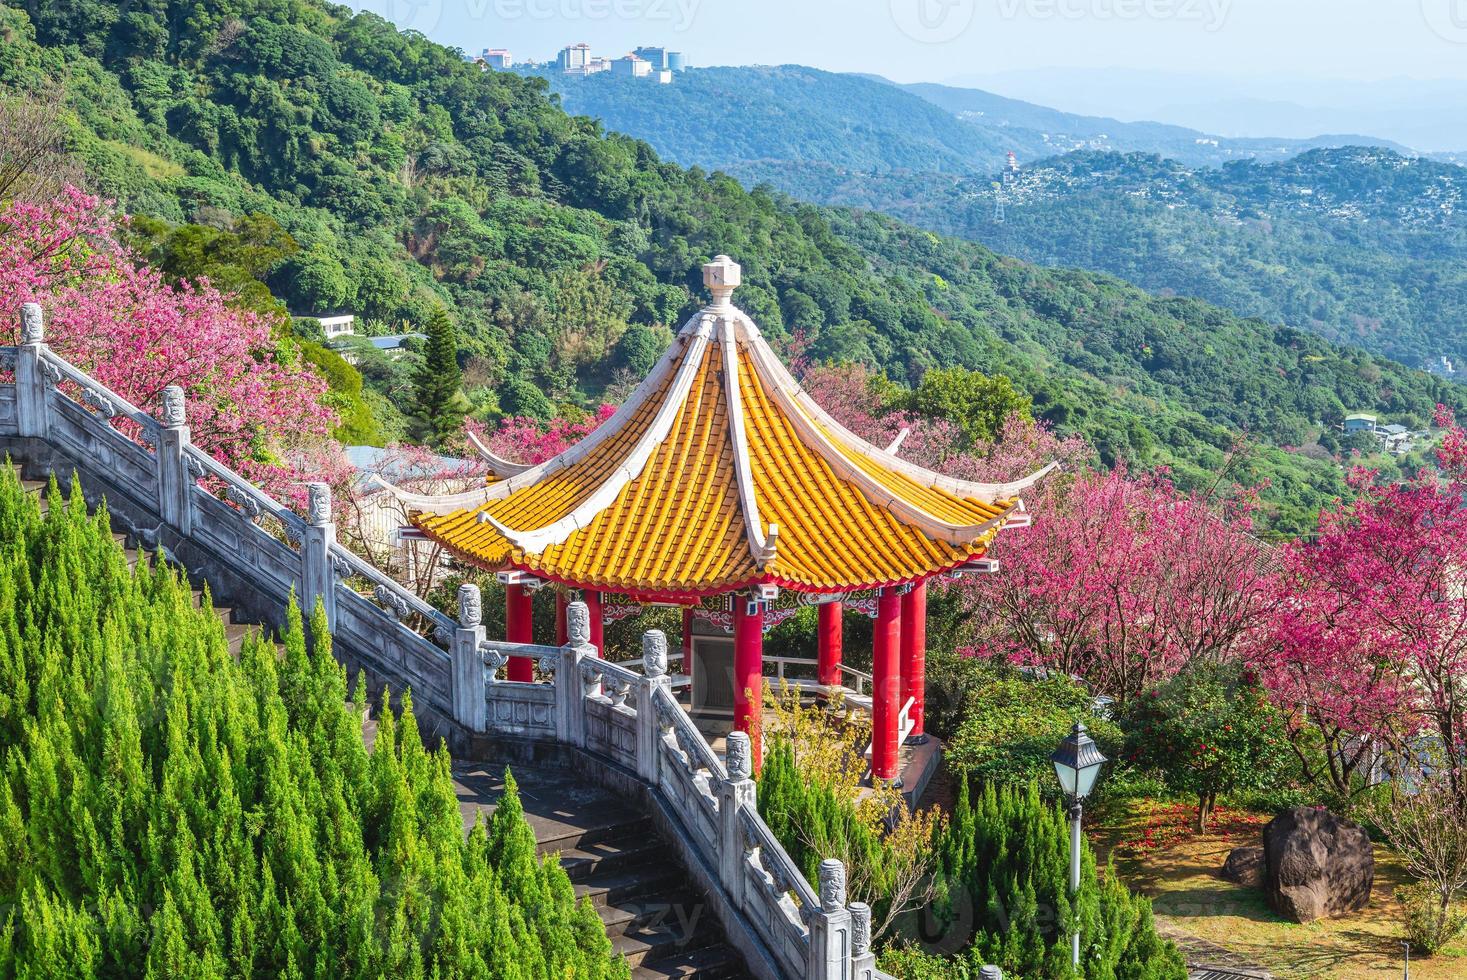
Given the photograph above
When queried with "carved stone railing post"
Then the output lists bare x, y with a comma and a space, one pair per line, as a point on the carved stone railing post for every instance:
470, 703
736, 793
863, 960
576, 677
830, 926
318, 574
175, 485
654, 679
30, 376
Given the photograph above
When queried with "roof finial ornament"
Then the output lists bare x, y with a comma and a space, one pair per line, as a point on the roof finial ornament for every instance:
722, 276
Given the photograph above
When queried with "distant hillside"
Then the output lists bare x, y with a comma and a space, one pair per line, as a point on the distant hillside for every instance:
721, 117
1066, 131
1363, 246
743, 119
409, 179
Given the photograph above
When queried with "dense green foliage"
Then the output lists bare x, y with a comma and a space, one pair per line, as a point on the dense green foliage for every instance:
1000, 727
408, 179
1208, 730
168, 810
1361, 246
801, 812
1005, 869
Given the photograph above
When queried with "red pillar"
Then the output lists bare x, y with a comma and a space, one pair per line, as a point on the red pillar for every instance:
562, 631
914, 656
830, 643
886, 684
688, 641
749, 671
519, 627
598, 635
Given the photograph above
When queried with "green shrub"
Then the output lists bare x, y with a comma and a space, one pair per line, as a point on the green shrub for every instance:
1429, 927
169, 810
1210, 730
1004, 726
1004, 867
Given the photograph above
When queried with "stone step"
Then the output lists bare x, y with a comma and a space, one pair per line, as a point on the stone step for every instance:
670, 908
661, 938
712, 963
552, 835
609, 857
615, 888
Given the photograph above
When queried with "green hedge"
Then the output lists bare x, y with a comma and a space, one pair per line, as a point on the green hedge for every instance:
169, 810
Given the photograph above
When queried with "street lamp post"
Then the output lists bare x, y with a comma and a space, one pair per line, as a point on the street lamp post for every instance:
1077, 762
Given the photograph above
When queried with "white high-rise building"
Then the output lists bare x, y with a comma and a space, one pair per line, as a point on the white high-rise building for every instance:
632, 67
575, 59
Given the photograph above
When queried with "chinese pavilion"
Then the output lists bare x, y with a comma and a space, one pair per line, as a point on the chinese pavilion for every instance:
719, 476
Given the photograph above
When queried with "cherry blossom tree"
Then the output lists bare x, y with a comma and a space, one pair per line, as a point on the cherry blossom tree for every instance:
527, 440
1123, 581
1394, 562
251, 403
369, 515
1341, 685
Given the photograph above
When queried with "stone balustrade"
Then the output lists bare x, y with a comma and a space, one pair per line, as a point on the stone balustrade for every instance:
630, 719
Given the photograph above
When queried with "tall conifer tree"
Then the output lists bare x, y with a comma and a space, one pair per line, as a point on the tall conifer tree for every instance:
438, 401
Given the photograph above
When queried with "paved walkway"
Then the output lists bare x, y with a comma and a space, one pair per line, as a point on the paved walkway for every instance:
1209, 961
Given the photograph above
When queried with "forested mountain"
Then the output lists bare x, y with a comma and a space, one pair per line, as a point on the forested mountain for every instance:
1358, 243
741, 119
1363, 246
397, 178
1070, 131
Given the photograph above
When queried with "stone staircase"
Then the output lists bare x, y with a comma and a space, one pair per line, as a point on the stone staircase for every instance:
655, 920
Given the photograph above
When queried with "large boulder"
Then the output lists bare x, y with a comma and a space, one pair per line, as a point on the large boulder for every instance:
1244, 866
1317, 864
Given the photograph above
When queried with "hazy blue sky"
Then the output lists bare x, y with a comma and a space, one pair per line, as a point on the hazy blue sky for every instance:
935, 40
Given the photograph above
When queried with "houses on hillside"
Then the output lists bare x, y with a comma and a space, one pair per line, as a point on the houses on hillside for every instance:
1395, 439
341, 336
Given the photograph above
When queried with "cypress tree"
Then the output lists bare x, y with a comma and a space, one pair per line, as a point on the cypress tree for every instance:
438, 403
167, 809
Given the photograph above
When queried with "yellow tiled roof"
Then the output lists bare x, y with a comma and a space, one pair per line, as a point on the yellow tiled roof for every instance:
654, 504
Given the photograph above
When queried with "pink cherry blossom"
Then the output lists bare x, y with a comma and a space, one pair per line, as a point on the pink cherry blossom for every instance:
250, 402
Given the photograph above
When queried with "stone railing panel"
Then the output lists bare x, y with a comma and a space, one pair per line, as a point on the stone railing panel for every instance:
389, 597
526, 710
611, 730
393, 650
89, 434
252, 503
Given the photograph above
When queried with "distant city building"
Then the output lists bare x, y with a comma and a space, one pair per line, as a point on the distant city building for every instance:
598, 64
631, 67
1443, 366
575, 59
657, 56
665, 76
497, 58
677, 61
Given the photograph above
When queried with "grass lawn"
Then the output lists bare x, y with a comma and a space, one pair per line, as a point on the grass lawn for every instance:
1156, 852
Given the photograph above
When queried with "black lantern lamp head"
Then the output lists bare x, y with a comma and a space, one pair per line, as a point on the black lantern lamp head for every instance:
1077, 762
